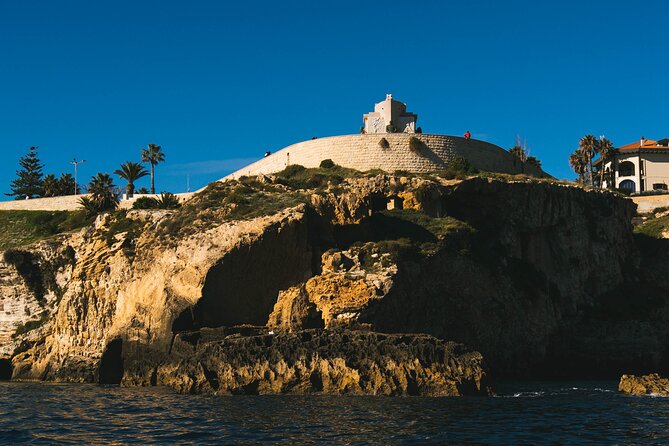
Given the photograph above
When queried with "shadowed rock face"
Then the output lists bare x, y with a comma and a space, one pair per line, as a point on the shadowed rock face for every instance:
338, 362
242, 287
551, 283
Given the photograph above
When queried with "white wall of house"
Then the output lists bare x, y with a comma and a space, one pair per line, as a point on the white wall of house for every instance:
655, 169
636, 175
650, 169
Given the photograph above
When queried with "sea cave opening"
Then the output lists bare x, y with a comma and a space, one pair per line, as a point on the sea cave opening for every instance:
243, 286
111, 364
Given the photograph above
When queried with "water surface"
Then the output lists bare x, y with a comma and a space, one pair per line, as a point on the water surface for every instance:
523, 413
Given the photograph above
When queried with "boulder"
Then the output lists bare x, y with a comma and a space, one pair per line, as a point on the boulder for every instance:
652, 384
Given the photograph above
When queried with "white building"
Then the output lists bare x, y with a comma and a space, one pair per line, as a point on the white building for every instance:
390, 113
640, 166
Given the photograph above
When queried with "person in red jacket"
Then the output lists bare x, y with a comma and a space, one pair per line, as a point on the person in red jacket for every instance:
468, 135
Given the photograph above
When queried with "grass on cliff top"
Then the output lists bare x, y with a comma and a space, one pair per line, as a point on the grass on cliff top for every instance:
299, 177
250, 197
18, 228
246, 198
654, 227
416, 225
409, 234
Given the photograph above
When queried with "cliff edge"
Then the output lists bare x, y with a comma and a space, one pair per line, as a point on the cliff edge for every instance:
313, 280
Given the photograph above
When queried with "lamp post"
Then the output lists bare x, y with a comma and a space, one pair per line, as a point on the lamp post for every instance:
76, 163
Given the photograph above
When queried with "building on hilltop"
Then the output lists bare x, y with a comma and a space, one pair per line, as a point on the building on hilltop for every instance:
390, 113
390, 148
639, 167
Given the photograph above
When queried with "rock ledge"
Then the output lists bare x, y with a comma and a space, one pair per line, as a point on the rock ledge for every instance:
652, 384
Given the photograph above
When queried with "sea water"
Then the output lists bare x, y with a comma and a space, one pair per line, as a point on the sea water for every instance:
522, 413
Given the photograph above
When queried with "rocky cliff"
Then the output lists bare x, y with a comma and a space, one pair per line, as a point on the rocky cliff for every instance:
533, 275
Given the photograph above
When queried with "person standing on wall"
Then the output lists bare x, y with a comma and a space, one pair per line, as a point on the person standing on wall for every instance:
467, 135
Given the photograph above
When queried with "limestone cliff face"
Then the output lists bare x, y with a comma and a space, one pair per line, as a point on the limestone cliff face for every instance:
540, 286
31, 284
510, 268
139, 298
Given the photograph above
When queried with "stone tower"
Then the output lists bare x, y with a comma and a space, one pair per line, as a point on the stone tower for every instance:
390, 112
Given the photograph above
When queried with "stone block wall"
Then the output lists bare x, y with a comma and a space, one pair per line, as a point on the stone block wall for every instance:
69, 203
364, 152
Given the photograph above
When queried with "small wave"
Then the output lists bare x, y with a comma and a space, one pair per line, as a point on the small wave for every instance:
524, 395
556, 392
589, 389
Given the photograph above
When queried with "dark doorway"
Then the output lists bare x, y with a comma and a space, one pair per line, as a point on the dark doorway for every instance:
111, 364
5, 369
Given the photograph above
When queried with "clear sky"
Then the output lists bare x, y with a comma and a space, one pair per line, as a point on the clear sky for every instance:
218, 83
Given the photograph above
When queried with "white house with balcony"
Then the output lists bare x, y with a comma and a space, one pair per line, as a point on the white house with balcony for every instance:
640, 166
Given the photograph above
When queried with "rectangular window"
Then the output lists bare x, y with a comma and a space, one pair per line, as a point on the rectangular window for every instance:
659, 186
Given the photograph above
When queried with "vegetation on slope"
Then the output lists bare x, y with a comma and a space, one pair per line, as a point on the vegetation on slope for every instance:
656, 224
245, 198
409, 235
18, 228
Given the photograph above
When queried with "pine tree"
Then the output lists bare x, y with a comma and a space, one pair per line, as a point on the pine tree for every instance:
29, 178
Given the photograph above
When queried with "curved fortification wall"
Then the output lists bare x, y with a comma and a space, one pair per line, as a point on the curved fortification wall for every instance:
367, 151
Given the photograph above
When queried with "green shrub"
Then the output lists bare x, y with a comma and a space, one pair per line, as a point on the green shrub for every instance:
145, 203
459, 164
90, 207
292, 170
327, 164
168, 200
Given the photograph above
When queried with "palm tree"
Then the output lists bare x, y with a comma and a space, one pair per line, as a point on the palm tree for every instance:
607, 153
131, 172
153, 155
579, 164
589, 148
101, 190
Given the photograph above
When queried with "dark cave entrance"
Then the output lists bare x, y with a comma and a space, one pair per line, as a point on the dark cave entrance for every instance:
243, 286
5, 369
111, 364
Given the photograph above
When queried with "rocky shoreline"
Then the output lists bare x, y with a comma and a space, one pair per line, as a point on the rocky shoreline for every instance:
307, 361
542, 280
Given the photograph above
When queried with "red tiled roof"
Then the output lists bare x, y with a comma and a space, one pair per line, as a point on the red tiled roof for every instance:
647, 144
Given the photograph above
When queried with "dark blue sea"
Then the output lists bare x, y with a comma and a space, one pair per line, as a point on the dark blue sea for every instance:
523, 413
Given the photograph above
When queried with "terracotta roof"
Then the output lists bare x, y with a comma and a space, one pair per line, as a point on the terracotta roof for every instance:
647, 144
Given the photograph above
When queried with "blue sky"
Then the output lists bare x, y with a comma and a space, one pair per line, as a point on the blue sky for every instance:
217, 83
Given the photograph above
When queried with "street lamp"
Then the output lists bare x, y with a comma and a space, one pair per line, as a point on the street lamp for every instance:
76, 163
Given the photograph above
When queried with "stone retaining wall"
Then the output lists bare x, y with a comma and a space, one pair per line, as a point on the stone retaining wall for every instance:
68, 203
366, 152
646, 203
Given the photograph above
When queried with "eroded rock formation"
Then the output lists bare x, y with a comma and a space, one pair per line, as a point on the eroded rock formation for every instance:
534, 275
338, 362
652, 384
